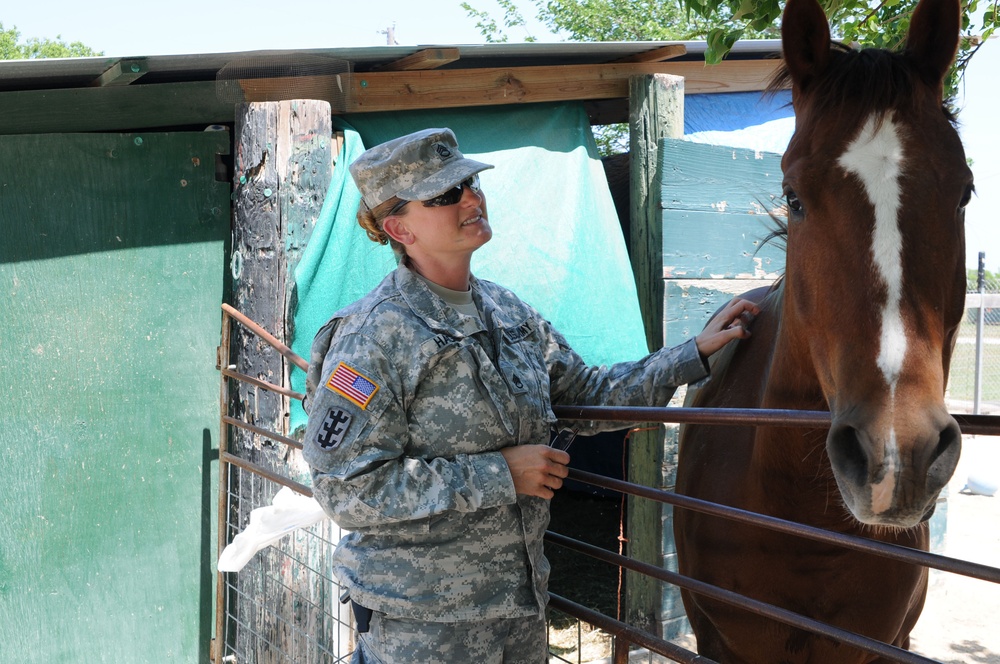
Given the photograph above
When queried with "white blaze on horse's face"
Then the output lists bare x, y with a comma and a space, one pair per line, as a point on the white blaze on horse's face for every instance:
876, 158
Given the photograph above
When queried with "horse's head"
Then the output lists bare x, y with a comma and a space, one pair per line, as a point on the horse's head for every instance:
876, 182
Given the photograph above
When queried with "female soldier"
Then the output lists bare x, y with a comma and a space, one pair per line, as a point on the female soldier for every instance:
430, 412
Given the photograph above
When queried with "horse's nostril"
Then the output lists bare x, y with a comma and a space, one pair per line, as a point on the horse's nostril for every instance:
944, 458
847, 453
946, 441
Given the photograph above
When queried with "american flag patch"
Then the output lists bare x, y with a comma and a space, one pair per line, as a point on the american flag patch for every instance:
349, 383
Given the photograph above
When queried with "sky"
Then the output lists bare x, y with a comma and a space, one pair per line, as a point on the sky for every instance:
132, 28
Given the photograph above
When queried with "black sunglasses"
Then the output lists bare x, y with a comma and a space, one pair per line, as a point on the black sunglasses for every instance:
450, 197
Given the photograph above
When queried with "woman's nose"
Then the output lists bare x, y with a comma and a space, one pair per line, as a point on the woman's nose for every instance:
471, 197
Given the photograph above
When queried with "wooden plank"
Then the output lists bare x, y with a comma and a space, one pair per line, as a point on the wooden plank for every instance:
128, 107
702, 177
123, 72
429, 58
717, 245
668, 52
691, 302
715, 204
451, 88
656, 110
112, 108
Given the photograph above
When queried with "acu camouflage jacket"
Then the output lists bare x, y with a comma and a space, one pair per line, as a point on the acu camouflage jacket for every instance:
409, 403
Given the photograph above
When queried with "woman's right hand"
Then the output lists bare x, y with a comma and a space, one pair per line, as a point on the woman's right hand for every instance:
537, 470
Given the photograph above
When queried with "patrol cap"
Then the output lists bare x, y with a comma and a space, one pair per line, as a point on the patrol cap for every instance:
415, 167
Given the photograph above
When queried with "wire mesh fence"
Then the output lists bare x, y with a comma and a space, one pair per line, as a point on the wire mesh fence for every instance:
283, 606
974, 379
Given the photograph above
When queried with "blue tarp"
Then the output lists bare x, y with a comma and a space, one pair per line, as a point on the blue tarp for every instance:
556, 240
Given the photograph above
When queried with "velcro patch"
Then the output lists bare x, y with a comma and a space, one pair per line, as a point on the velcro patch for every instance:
334, 428
349, 383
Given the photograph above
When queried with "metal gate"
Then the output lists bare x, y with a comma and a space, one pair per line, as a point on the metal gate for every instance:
284, 606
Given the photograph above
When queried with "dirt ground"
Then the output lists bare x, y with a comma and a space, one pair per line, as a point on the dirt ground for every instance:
961, 619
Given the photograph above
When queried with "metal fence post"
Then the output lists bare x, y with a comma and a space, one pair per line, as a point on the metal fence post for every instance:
980, 319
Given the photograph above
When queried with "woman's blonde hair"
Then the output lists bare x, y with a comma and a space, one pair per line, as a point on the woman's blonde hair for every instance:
371, 220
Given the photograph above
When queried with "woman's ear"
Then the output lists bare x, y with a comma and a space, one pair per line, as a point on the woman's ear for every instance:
396, 228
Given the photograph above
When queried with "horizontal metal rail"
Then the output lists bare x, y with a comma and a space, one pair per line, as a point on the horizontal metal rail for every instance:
285, 351
970, 424
268, 474
892, 551
624, 630
741, 601
230, 373
291, 442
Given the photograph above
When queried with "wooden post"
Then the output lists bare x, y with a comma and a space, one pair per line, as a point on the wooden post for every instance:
656, 110
282, 169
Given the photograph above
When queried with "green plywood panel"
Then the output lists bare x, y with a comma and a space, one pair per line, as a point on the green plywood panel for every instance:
715, 202
713, 245
696, 176
111, 275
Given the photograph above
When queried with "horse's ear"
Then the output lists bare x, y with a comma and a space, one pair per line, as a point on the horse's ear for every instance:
933, 37
805, 41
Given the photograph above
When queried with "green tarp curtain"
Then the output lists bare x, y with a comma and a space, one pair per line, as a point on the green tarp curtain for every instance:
556, 240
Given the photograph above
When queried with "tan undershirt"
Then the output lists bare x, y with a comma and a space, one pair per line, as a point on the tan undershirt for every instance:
460, 300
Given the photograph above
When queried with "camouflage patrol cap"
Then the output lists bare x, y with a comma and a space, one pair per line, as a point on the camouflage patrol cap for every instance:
415, 167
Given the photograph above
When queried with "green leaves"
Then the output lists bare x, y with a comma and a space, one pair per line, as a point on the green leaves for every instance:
11, 47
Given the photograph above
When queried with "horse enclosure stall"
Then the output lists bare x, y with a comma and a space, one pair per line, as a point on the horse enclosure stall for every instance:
151, 191
117, 207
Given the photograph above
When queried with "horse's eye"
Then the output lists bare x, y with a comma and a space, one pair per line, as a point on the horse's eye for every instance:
967, 196
793, 203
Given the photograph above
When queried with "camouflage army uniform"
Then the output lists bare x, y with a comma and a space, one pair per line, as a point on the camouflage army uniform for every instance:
410, 403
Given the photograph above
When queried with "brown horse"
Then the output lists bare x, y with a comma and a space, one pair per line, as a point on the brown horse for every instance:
862, 324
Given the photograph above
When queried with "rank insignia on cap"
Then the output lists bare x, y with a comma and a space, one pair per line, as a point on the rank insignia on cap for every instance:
349, 383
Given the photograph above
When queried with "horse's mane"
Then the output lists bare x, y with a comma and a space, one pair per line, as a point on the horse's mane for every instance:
867, 81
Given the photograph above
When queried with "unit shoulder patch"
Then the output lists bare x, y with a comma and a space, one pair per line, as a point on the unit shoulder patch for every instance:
331, 432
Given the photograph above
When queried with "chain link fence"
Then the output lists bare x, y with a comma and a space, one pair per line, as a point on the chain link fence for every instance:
974, 381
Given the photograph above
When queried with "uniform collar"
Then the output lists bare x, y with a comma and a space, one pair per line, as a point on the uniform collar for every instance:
436, 313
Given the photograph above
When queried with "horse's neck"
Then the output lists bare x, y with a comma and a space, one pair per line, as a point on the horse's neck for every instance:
794, 458
791, 377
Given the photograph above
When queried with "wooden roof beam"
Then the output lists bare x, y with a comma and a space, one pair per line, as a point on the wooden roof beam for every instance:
668, 52
450, 88
122, 72
429, 58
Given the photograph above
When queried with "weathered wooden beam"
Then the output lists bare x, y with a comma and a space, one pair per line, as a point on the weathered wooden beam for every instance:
282, 169
656, 110
127, 107
123, 72
451, 88
282, 160
668, 52
112, 108
429, 58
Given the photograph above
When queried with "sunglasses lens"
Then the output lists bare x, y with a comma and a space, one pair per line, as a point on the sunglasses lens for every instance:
454, 195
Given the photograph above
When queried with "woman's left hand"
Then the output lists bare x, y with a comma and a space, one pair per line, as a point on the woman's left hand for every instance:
730, 323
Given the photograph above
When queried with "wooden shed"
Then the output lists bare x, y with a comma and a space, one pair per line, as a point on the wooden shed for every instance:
125, 228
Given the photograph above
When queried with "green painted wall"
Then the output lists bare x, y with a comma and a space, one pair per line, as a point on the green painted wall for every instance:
112, 269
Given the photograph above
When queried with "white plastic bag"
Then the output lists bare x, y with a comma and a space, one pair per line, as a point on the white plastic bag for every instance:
287, 512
